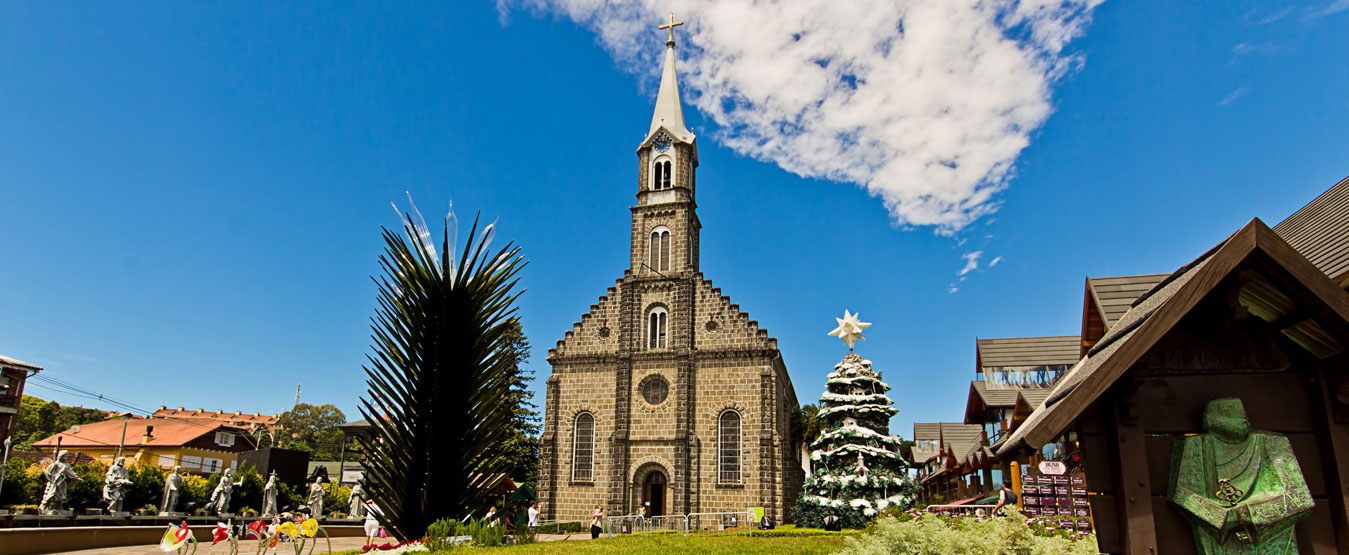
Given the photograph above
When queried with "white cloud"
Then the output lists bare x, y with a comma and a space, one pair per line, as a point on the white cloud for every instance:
996, 260
971, 263
925, 103
952, 289
1332, 8
1234, 95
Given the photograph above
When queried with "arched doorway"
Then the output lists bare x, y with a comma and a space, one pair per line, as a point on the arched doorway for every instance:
653, 492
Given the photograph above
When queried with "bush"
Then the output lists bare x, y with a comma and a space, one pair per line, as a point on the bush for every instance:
23, 486
523, 534
438, 534
932, 534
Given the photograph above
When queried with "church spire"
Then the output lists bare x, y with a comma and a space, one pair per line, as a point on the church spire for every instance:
669, 112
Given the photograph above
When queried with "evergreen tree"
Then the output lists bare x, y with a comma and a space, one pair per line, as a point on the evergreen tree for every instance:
856, 468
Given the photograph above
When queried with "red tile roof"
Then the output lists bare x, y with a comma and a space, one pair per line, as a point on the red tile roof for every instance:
168, 432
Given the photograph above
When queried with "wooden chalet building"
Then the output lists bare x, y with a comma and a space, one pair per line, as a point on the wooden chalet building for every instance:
1263, 316
938, 451
13, 375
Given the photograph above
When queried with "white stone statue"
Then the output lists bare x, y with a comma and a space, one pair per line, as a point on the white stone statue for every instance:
173, 486
315, 500
220, 497
115, 484
269, 496
357, 501
59, 474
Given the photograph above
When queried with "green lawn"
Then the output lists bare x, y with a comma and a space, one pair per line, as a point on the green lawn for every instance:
703, 544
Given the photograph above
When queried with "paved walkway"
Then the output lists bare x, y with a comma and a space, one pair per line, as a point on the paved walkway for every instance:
251, 546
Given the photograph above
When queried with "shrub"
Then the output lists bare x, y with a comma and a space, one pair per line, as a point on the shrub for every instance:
932, 534
523, 534
23, 483
484, 535
438, 534
560, 528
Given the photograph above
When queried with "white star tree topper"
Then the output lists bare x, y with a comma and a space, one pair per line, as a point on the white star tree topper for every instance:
850, 328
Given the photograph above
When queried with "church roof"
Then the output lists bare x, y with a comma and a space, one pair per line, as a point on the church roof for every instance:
669, 114
1026, 351
1113, 295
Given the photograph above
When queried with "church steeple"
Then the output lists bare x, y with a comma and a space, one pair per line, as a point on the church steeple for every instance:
669, 112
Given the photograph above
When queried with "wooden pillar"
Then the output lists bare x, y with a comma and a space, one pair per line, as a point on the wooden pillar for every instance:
1015, 470
1336, 438
1135, 491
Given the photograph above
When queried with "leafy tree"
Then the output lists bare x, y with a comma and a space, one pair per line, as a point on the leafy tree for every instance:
440, 376
39, 419
312, 429
521, 449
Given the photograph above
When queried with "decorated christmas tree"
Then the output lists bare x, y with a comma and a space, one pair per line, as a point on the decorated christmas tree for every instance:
856, 467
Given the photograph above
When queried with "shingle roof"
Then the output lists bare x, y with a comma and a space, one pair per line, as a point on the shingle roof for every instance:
168, 432
1034, 396
1028, 351
243, 419
16, 363
1113, 295
1320, 231
996, 397
958, 437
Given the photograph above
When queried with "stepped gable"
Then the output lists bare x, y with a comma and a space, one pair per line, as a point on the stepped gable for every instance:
722, 325
596, 333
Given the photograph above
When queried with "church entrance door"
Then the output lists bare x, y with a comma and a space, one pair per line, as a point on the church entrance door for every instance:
653, 493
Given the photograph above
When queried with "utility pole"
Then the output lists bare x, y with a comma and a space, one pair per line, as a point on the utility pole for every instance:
297, 394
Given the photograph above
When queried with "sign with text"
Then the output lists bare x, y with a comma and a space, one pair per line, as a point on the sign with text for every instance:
1053, 468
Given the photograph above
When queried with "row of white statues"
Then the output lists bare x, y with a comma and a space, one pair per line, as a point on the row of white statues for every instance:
116, 482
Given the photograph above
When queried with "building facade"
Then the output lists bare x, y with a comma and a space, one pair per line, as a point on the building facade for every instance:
665, 395
13, 375
197, 445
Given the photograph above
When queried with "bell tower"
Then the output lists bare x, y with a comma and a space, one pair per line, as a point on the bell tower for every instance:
665, 224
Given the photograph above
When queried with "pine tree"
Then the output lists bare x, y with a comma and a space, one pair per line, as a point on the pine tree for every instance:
856, 468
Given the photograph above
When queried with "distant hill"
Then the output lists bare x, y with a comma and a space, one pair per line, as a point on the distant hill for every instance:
40, 418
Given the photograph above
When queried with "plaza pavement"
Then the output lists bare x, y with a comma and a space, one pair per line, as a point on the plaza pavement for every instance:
251, 546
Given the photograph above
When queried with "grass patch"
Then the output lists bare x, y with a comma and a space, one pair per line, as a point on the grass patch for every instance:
703, 544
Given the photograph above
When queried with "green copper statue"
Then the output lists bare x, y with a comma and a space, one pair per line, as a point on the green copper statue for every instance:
1241, 489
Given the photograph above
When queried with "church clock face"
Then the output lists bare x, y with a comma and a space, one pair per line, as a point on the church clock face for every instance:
662, 144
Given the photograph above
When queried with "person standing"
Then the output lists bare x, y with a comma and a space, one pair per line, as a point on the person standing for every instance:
371, 523
534, 517
1006, 496
595, 517
491, 517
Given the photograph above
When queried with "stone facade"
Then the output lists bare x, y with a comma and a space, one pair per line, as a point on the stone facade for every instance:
712, 358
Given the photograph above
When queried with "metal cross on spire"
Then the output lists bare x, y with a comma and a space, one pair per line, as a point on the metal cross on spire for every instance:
670, 27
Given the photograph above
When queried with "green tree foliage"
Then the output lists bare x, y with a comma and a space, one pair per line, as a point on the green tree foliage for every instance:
440, 376
806, 425
521, 449
927, 534
40, 419
22, 486
312, 429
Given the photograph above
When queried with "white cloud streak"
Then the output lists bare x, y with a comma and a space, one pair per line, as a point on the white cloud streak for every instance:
925, 103
971, 263
1234, 95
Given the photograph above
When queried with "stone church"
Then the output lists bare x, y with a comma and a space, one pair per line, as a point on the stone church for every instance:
665, 395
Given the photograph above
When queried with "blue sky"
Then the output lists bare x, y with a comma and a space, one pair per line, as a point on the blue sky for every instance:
192, 194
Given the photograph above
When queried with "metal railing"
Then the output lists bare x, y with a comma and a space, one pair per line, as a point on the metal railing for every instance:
962, 510
720, 522
637, 524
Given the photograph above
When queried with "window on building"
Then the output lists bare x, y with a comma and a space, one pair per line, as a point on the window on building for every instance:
659, 249
191, 462
656, 328
224, 439
655, 390
211, 466
167, 461
583, 448
728, 448
663, 177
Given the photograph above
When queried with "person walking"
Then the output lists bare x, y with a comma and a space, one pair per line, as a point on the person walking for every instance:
1006, 496
491, 517
534, 517
595, 517
371, 523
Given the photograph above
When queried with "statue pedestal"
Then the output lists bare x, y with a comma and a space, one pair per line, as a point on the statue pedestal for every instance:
172, 514
58, 512
118, 513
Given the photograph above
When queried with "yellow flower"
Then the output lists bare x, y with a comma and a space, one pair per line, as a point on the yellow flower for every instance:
288, 528
309, 528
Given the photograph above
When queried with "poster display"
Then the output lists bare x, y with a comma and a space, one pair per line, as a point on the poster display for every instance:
1057, 498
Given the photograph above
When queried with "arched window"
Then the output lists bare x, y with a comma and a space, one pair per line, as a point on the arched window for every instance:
728, 448
662, 174
660, 249
656, 327
583, 448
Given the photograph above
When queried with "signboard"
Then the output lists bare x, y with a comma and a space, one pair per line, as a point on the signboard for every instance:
352, 476
1053, 468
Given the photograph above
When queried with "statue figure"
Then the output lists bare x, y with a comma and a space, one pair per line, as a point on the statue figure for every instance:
315, 500
115, 484
269, 496
220, 497
59, 474
173, 485
1241, 489
357, 501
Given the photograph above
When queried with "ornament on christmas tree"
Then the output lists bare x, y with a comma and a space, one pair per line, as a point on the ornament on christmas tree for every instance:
856, 469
